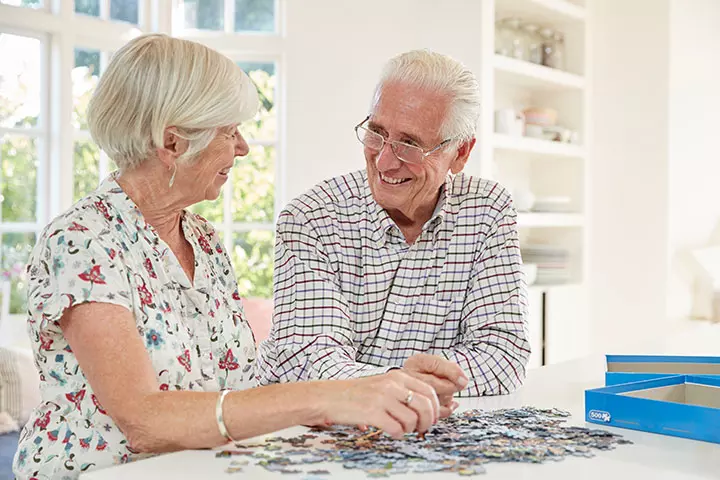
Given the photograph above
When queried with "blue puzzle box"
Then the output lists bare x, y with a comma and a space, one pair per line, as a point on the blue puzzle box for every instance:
686, 406
635, 368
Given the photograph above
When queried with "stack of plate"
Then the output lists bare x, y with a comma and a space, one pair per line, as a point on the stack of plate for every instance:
552, 204
553, 262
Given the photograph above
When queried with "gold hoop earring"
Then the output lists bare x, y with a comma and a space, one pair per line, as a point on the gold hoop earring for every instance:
172, 178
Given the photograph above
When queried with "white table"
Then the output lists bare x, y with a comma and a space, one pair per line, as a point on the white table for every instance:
651, 457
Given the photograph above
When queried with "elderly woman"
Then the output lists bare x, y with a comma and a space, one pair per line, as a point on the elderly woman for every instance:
138, 330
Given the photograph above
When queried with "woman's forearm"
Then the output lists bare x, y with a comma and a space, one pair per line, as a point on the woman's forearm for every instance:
170, 421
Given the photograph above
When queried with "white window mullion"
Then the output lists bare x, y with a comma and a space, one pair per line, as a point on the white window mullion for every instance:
229, 16
43, 201
105, 9
162, 15
61, 131
104, 60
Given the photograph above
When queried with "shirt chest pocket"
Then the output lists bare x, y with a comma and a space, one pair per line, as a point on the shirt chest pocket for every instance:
435, 320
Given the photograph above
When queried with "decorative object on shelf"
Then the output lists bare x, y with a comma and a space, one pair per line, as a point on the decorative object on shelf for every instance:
523, 199
543, 117
533, 44
530, 42
548, 45
559, 204
509, 122
503, 37
541, 123
557, 59
553, 262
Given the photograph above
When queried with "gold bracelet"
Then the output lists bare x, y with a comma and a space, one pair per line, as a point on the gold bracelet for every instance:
219, 417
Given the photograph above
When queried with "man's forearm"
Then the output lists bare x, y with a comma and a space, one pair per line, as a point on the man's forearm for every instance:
490, 370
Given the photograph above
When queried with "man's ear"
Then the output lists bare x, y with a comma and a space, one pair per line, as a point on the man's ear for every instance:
463, 153
173, 147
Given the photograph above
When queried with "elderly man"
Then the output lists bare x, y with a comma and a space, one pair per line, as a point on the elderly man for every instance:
408, 263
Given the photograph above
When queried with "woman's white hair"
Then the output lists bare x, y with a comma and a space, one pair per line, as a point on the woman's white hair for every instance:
155, 82
440, 73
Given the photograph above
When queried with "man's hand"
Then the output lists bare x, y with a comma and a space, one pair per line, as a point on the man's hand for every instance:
446, 377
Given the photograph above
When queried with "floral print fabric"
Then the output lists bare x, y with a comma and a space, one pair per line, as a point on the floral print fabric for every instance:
195, 333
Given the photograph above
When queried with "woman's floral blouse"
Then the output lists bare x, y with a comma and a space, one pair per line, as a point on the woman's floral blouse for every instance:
102, 250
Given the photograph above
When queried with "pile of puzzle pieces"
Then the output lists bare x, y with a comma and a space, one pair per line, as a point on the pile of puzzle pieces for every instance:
462, 443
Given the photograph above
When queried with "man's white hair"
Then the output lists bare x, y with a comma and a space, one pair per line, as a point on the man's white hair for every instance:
440, 73
154, 82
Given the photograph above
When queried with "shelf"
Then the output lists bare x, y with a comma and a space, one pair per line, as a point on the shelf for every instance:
537, 77
554, 12
537, 147
532, 219
545, 287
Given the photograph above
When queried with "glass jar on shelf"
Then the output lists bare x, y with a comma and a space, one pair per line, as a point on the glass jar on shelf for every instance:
503, 37
557, 58
548, 45
532, 43
515, 34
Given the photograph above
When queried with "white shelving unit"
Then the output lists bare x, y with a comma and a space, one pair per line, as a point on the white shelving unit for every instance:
544, 168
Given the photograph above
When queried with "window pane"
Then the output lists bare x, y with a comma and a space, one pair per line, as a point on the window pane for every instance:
254, 186
88, 7
212, 211
86, 168
264, 125
124, 10
23, 3
85, 77
19, 81
18, 177
252, 255
205, 14
14, 252
254, 15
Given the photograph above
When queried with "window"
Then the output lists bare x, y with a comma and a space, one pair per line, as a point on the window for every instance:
246, 219
47, 157
22, 140
90, 166
241, 16
119, 10
23, 3
245, 212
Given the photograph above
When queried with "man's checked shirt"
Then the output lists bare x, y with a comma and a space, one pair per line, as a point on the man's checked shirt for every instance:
352, 298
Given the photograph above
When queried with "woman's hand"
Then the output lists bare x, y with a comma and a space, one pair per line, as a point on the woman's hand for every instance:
379, 401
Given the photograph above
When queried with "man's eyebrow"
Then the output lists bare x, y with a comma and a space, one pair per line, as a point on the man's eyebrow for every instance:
412, 137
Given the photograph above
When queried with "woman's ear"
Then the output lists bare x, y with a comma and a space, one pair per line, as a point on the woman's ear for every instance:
173, 146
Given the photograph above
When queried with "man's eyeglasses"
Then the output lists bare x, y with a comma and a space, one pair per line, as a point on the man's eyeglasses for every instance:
403, 151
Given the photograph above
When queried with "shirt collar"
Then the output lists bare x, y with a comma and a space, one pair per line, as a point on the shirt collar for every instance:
385, 226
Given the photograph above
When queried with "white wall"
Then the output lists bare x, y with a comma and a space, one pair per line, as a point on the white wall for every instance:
629, 170
694, 167
336, 50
